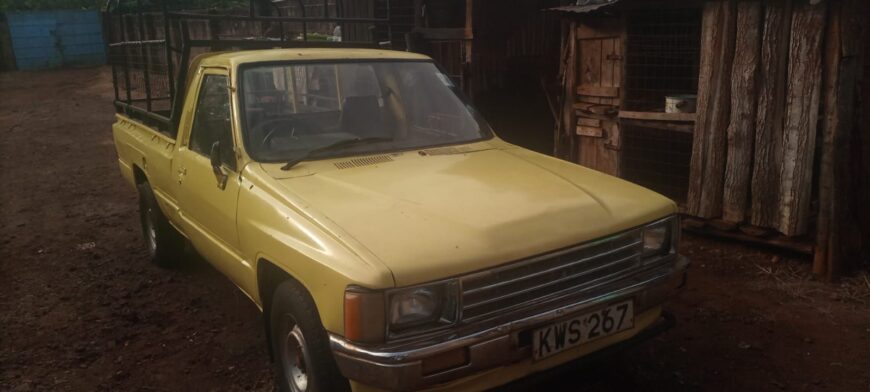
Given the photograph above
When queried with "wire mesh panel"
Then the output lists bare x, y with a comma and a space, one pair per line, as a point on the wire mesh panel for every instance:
657, 159
662, 56
663, 51
140, 66
151, 43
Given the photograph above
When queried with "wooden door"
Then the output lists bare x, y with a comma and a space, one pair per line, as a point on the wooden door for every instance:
599, 82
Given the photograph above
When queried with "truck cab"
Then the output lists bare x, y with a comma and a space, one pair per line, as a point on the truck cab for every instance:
391, 239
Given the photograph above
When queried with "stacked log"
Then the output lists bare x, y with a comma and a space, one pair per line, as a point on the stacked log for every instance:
744, 80
707, 172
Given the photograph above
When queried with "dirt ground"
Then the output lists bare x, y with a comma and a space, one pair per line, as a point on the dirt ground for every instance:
82, 309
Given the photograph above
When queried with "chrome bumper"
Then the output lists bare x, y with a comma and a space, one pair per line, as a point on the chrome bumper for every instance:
400, 367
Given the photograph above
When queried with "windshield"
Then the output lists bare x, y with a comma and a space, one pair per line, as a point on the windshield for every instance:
292, 109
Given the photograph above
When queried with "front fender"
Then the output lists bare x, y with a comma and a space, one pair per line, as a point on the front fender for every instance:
274, 227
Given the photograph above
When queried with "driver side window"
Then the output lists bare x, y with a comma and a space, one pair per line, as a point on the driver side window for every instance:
211, 122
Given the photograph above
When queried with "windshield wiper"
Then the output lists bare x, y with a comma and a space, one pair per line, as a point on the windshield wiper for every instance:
339, 145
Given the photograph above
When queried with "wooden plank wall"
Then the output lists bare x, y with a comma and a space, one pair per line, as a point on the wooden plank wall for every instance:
753, 161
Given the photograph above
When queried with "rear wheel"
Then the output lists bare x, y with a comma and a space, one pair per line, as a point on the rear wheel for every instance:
303, 360
165, 245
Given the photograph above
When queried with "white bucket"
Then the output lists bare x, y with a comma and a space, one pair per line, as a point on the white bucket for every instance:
686, 103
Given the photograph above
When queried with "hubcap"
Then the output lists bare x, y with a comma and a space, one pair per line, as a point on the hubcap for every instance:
295, 358
150, 230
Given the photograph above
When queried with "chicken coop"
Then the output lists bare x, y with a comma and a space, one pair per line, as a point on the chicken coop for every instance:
747, 113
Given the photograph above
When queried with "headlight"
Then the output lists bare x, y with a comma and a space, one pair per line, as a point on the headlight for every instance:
425, 306
373, 316
659, 238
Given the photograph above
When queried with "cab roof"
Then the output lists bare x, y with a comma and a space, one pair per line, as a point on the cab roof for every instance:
232, 59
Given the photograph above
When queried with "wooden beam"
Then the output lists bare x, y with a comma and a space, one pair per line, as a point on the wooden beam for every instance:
709, 144
839, 238
769, 119
658, 116
801, 117
589, 122
565, 145
469, 31
583, 130
781, 242
596, 108
741, 129
663, 125
598, 91
418, 14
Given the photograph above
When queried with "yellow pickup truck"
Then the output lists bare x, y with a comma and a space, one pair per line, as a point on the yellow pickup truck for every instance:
392, 240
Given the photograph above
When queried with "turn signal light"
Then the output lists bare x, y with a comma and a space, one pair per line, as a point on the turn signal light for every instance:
364, 316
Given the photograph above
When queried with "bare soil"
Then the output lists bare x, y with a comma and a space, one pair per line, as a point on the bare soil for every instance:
82, 309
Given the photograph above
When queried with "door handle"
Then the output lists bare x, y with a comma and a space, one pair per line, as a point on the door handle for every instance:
181, 173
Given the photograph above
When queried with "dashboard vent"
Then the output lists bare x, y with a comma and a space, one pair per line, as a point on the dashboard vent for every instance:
367, 161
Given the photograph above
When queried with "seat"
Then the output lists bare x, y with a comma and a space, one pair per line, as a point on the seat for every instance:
362, 116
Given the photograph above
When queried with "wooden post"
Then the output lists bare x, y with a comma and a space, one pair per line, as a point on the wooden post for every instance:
418, 14
741, 130
771, 107
838, 238
469, 66
707, 173
565, 143
801, 117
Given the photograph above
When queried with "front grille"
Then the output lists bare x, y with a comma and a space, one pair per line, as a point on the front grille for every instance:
550, 276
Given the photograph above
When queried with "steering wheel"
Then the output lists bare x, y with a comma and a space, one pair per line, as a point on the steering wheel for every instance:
274, 127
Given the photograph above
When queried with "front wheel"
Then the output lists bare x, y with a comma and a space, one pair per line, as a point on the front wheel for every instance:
303, 360
165, 245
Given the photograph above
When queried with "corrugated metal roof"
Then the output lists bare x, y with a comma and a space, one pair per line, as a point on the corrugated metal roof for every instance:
583, 6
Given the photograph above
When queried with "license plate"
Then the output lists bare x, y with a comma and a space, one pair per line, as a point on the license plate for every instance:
565, 334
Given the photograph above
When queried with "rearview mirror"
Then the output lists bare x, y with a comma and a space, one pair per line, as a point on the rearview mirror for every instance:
215, 157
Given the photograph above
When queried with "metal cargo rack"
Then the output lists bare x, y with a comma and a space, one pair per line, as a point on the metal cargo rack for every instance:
151, 42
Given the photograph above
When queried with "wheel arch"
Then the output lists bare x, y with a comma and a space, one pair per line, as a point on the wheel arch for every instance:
269, 277
139, 175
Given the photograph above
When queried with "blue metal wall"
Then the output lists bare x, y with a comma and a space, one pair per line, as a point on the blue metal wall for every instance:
47, 39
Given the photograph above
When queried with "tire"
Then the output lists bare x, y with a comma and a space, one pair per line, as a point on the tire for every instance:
165, 245
303, 360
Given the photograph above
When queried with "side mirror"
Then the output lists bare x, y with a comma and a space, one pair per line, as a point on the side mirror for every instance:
216, 165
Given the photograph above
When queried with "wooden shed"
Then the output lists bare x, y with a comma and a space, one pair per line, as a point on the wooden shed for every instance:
767, 141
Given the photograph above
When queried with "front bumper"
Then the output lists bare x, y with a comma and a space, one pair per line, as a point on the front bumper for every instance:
402, 367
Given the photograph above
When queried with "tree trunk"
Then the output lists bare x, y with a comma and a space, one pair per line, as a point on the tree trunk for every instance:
769, 120
707, 173
741, 130
801, 120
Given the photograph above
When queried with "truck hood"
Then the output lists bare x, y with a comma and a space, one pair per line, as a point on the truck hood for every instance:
431, 216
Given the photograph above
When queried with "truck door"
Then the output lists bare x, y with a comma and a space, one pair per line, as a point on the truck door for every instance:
207, 206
